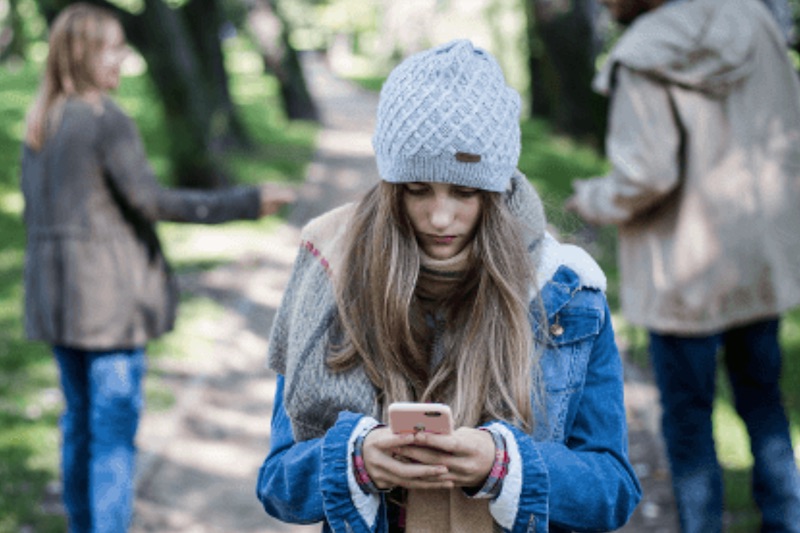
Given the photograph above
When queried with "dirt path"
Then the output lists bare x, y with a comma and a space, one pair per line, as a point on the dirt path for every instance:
199, 459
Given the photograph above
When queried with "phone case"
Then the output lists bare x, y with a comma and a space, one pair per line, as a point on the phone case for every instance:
411, 417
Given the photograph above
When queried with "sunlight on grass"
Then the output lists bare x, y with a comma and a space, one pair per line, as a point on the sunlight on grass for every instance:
41, 436
795, 430
633, 340
240, 59
16, 130
553, 162
370, 83
790, 343
192, 334
41, 443
730, 434
12, 203
187, 244
11, 258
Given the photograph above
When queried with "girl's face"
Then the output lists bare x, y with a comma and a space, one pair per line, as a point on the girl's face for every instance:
109, 59
444, 216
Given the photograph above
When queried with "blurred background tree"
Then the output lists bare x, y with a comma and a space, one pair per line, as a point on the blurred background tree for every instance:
271, 31
548, 48
565, 38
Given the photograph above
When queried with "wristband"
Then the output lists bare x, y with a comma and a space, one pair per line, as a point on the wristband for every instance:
360, 469
494, 482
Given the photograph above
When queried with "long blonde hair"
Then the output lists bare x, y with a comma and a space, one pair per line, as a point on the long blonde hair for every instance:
77, 36
487, 369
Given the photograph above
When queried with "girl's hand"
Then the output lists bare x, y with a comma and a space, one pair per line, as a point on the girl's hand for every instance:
468, 454
274, 196
389, 466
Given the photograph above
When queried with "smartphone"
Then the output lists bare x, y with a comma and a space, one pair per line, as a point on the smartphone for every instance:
411, 417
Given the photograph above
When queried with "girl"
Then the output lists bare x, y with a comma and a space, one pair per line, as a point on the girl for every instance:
97, 286
441, 285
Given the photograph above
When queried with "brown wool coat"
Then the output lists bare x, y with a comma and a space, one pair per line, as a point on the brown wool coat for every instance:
95, 275
704, 141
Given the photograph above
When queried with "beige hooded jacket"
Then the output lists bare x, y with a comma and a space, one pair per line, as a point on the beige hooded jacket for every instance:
704, 142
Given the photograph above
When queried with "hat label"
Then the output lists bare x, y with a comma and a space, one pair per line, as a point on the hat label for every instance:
466, 157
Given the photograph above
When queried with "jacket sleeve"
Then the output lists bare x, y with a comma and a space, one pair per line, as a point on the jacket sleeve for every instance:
131, 177
643, 147
312, 481
585, 482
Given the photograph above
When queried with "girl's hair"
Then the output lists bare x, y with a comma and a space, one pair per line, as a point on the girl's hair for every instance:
487, 371
77, 36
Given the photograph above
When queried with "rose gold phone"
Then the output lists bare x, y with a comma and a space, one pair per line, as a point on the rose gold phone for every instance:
411, 417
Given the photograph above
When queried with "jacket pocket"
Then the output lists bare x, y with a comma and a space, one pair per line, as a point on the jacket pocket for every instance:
568, 346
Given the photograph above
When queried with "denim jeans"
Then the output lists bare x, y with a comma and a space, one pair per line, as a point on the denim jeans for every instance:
103, 394
685, 370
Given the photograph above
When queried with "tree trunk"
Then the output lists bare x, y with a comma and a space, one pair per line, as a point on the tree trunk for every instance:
12, 35
271, 34
539, 69
205, 22
162, 36
563, 48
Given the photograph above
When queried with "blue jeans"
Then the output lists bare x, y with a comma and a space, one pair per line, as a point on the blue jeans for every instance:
103, 393
685, 370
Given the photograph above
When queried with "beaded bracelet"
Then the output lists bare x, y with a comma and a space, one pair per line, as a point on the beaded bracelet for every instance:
360, 469
494, 482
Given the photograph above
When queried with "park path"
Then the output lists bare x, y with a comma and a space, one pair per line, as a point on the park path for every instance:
199, 458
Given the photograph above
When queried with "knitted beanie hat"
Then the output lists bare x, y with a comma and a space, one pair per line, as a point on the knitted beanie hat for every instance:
447, 115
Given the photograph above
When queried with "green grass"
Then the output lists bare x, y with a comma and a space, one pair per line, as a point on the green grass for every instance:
371, 83
30, 398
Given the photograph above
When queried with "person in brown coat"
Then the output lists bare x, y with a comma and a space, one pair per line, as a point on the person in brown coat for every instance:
97, 285
704, 144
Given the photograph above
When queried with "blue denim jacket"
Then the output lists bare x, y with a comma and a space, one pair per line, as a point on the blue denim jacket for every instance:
572, 474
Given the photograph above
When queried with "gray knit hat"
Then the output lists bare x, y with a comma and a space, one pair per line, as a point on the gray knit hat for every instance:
447, 115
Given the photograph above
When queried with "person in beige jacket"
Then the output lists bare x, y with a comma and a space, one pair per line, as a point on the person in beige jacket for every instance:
704, 186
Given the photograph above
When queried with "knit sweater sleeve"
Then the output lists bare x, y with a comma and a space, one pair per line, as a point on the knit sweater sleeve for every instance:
309, 292
134, 183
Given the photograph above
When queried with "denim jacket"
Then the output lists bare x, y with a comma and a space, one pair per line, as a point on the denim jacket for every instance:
571, 474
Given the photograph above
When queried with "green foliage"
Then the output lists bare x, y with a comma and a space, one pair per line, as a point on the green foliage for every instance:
282, 148
315, 23
30, 397
552, 163
370, 83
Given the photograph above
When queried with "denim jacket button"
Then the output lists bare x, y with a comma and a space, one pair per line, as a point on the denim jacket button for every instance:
556, 330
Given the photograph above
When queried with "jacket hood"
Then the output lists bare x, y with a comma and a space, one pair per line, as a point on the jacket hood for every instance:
701, 44
524, 203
